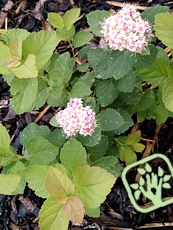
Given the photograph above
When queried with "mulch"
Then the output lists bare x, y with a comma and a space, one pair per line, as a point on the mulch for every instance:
21, 211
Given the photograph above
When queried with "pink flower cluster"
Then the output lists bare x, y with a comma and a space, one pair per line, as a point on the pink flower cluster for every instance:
77, 118
126, 30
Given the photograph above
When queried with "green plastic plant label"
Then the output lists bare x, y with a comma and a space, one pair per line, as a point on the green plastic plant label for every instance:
150, 183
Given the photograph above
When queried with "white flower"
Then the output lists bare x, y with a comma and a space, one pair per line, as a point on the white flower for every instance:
77, 119
126, 30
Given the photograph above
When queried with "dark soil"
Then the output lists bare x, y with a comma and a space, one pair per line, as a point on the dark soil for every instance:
21, 211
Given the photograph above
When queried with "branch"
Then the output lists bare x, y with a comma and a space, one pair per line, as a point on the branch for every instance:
4, 12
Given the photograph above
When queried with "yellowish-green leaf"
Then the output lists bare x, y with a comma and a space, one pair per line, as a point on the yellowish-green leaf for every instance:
167, 93
164, 28
58, 184
51, 216
138, 147
93, 212
73, 154
133, 138
9, 183
35, 176
81, 38
92, 185
70, 17
4, 140
41, 151
73, 209
130, 157
55, 20
12, 62
42, 45
4, 54
16, 47
28, 69
24, 92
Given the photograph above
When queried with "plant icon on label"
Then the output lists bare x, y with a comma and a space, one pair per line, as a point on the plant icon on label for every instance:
150, 184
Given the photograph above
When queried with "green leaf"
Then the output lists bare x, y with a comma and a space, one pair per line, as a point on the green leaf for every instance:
64, 67
21, 187
16, 47
9, 183
122, 150
95, 55
161, 114
65, 35
128, 122
40, 151
138, 147
4, 141
81, 38
147, 100
146, 58
35, 176
160, 172
28, 69
95, 20
73, 209
156, 73
88, 79
24, 92
93, 212
133, 138
167, 93
42, 94
83, 68
62, 101
91, 140
56, 84
164, 28
16, 167
4, 54
109, 163
130, 156
57, 138
150, 13
51, 216
70, 17
130, 98
30, 132
126, 83
110, 119
16, 32
166, 185
55, 20
53, 122
58, 184
92, 185
73, 154
100, 149
80, 89
106, 92
40, 44
113, 64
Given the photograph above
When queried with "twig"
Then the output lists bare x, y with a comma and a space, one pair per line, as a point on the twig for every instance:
4, 12
149, 148
119, 4
42, 113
